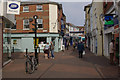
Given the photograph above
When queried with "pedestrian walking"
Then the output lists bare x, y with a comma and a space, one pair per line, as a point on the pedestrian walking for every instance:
73, 46
63, 48
52, 50
111, 52
80, 49
46, 50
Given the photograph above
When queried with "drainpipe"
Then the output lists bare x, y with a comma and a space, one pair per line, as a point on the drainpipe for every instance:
119, 27
101, 32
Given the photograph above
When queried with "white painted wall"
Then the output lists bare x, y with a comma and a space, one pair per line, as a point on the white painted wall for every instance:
53, 16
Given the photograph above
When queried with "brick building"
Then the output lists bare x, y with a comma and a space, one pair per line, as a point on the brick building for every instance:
49, 21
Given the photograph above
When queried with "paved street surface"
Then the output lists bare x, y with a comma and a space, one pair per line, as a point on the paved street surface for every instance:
65, 65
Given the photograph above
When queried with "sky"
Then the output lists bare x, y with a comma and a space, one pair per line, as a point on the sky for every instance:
74, 10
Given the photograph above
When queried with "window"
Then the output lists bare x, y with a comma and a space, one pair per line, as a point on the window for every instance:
25, 9
39, 8
42, 39
40, 23
7, 25
13, 27
14, 41
26, 24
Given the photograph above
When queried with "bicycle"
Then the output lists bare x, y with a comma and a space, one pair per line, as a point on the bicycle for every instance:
30, 64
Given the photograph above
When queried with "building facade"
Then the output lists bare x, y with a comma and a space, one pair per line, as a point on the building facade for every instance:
94, 27
87, 25
6, 22
49, 26
110, 10
75, 32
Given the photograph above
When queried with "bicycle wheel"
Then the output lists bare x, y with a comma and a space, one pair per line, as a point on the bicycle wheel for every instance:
29, 67
35, 64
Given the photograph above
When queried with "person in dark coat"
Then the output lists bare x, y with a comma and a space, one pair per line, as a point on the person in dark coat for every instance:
80, 49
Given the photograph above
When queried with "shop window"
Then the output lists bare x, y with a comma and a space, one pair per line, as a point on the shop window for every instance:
40, 40
39, 8
15, 41
40, 23
26, 24
43, 39
26, 9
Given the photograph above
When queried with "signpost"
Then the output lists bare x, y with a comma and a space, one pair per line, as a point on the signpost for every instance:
35, 17
36, 54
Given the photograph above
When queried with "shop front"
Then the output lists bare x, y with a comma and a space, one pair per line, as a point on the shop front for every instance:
116, 43
6, 42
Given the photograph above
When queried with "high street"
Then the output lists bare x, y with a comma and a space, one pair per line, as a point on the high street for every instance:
65, 65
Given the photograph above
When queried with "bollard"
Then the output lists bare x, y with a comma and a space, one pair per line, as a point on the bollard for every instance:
26, 51
39, 49
13, 49
7, 50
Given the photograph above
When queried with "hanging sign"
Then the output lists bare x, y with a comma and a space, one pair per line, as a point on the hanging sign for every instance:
13, 7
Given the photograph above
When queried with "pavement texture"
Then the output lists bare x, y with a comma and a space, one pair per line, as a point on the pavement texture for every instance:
65, 65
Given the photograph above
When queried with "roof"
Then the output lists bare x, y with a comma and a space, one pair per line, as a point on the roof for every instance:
38, 2
32, 2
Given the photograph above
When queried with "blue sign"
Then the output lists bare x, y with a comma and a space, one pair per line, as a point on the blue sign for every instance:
108, 18
13, 6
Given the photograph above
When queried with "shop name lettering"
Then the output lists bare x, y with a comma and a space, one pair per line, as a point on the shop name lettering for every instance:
13, 11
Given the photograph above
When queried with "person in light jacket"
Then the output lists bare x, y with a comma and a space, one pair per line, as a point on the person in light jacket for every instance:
111, 52
52, 50
80, 49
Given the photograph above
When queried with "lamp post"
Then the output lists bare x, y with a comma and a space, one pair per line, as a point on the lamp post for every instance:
36, 54
35, 17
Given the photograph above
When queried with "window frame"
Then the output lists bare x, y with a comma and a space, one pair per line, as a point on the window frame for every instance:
39, 7
40, 23
24, 24
24, 8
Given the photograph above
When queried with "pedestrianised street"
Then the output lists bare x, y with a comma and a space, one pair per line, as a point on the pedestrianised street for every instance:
66, 64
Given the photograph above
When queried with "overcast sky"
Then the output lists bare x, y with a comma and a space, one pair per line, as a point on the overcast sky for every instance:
74, 10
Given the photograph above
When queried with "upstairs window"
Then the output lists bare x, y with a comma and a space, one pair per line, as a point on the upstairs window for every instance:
13, 27
39, 8
26, 9
26, 24
7, 25
40, 23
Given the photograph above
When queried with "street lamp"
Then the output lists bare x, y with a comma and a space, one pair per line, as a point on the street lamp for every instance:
35, 17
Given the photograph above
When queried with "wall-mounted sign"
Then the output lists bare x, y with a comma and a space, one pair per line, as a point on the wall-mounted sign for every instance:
109, 20
13, 7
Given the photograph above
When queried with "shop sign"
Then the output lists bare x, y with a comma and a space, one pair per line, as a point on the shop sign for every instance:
109, 22
13, 7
